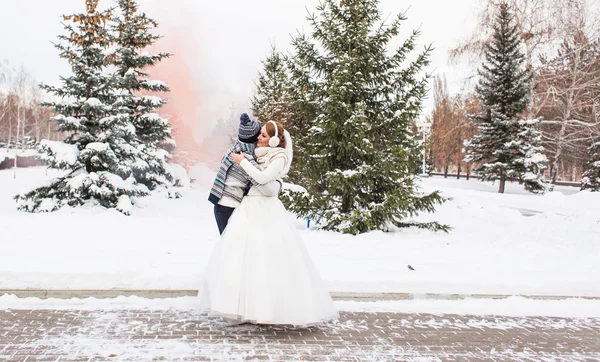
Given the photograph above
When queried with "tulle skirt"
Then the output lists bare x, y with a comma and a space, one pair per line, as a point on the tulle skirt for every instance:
260, 270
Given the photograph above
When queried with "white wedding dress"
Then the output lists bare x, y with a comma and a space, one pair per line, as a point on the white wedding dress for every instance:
260, 270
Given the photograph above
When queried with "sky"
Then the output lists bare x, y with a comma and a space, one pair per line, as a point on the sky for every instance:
220, 44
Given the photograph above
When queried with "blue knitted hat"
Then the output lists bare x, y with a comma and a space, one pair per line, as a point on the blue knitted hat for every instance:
249, 129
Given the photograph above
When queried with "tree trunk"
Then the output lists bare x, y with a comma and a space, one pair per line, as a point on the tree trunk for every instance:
346, 203
446, 170
458, 172
557, 155
48, 126
502, 184
561, 139
17, 139
9, 127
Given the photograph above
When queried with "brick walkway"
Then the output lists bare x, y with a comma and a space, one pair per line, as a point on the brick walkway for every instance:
180, 335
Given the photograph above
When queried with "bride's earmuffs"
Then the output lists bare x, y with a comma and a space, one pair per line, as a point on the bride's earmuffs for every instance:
274, 141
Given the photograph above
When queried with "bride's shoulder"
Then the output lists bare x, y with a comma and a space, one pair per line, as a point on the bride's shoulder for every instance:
276, 153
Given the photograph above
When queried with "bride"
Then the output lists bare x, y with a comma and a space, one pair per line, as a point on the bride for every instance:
260, 271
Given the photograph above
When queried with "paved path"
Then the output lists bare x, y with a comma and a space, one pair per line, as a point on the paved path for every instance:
184, 335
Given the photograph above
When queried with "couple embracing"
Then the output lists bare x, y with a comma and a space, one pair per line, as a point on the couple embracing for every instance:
260, 271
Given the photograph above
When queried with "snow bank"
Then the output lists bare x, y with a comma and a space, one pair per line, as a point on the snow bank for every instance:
4, 155
514, 243
179, 174
513, 306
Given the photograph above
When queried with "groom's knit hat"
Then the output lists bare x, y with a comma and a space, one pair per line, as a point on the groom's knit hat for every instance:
249, 129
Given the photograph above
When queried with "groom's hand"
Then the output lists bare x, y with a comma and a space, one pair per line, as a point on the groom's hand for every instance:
236, 157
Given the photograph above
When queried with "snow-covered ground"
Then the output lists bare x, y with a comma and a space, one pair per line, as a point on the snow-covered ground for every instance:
10, 153
494, 247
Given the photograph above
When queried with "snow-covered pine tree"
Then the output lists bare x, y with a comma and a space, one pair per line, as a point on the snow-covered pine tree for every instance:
95, 138
143, 159
591, 177
357, 99
506, 146
271, 101
533, 161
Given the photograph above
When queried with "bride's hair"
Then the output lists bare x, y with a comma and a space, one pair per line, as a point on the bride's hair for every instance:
270, 128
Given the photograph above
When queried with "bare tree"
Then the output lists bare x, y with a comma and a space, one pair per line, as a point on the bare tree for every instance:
442, 125
23, 119
567, 99
560, 44
450, 128
468, 104
543, 24
21, 90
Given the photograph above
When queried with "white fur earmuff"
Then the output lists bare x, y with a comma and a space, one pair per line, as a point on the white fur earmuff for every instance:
274, 141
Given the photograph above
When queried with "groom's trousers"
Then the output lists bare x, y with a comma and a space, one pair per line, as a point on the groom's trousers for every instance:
222, 215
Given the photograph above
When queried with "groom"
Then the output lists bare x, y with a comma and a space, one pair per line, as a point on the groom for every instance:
232, 182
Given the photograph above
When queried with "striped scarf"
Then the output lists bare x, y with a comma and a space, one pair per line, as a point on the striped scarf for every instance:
234, 170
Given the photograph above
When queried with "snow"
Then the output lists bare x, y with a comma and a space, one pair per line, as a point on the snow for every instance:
155, 117
537, 158
515, 243
179, 174
124, 204
345, 173
93, 102
513, 306
28, 153
529, 176
47, 205
115, 181
63, 153
81, 179
4, 154
154, 83
154, 100
67, 101
202, 176
97, 146
68, 120
349, 173
293, 187
10, 153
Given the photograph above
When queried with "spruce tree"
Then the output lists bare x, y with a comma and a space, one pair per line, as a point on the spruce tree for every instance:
591, 177
533, 161
95, 138
507, 146
355, 99
271, 100
137, 101
274, 101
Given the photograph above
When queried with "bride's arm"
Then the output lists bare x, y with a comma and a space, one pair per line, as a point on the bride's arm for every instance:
271, 188
269, 174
